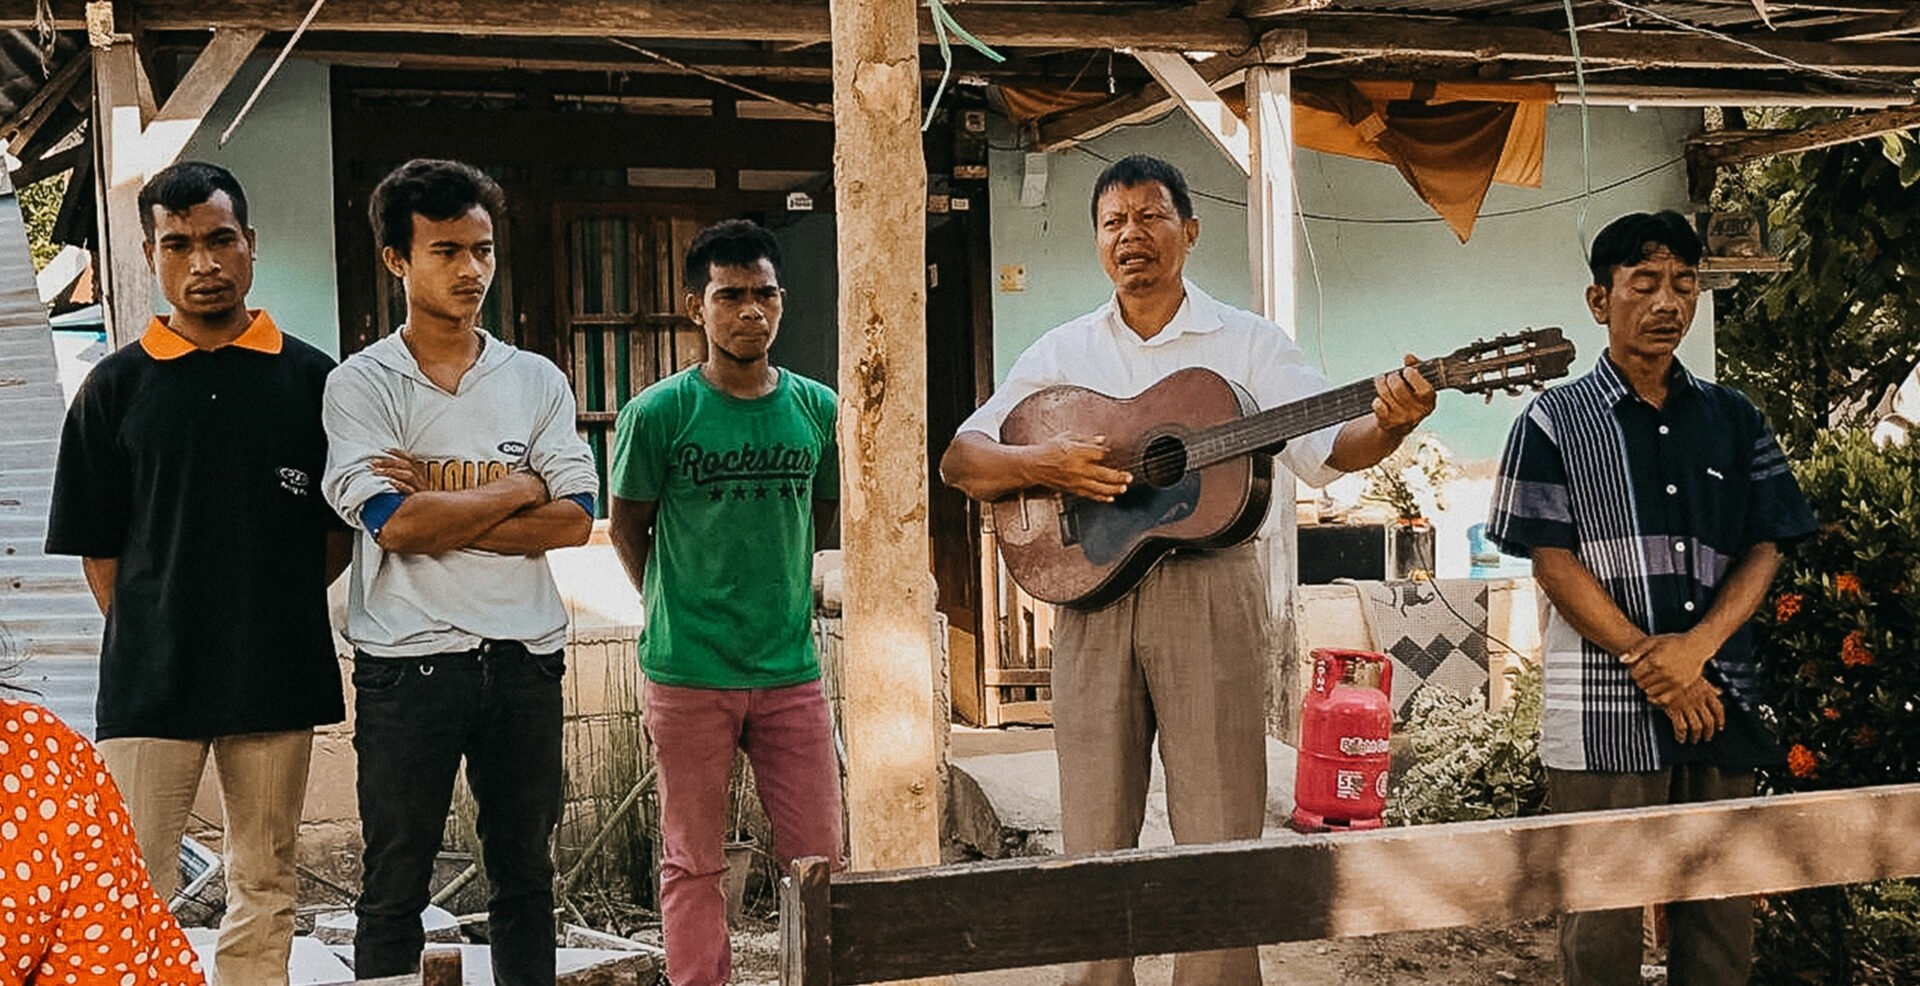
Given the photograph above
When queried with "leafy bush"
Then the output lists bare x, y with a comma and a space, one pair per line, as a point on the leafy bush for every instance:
1839, 644
1469, 764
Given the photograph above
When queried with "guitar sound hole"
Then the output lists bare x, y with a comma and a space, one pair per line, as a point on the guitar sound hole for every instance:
1165, 461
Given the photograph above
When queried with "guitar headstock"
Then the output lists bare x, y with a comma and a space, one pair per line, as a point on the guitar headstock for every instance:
1510, 362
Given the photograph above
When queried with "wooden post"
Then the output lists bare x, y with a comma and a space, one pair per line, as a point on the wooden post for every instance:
880, 184
126, 285
806, 946
1270, 212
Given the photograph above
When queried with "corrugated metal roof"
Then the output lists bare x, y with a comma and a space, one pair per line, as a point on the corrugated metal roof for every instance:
47, 614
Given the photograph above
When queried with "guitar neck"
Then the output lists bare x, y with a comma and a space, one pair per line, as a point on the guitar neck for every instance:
1268, 429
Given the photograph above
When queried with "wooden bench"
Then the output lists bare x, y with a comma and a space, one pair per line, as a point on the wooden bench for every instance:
1000, 914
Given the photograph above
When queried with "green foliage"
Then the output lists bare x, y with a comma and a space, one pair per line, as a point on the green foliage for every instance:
1469, 764
1827, 338
1839, 639
39, 206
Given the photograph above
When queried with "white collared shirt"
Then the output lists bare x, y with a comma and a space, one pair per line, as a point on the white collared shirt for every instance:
1098, 351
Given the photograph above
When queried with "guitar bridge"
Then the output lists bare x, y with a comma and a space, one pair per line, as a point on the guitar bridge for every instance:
1069, 522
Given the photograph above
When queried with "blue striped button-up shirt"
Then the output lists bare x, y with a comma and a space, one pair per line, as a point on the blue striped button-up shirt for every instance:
1659, 503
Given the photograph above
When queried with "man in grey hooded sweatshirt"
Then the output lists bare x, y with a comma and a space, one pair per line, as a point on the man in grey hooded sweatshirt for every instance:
455, 455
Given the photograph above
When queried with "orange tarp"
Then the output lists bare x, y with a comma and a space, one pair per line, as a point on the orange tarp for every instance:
1450, 140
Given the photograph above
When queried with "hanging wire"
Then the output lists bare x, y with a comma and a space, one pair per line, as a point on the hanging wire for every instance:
1586, 127
272, 70
1756, 49
943, 24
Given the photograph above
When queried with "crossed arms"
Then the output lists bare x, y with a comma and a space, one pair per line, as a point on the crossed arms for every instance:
512, 515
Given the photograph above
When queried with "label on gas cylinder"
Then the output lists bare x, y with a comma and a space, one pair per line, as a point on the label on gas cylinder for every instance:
1349, 785
1362, 746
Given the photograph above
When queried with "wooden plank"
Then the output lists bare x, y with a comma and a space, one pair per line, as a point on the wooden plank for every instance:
1078, 126
1175, 74
806, 952
1725, 147
879, 174
46, 100
1204, 26
1399, 36
1028, 713
1022, 912
176, 122
127, 288
1029, 677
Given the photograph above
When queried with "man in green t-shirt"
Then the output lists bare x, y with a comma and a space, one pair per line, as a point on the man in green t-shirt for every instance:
722, 474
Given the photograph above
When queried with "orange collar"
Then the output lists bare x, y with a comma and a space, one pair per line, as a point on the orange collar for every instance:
161, 342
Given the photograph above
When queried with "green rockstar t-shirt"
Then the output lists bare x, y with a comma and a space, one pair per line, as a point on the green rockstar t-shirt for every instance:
729, 585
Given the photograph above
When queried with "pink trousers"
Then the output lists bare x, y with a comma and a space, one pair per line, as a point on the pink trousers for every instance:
788, 738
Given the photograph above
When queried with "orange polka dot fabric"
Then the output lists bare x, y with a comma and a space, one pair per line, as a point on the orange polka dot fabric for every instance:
76, 906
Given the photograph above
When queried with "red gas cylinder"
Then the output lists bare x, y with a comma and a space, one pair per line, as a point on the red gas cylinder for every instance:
1341, 776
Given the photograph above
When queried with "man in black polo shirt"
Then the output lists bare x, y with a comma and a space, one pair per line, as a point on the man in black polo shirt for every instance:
1651, 503
188, 483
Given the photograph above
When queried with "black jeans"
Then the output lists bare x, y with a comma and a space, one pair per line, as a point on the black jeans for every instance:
499, 707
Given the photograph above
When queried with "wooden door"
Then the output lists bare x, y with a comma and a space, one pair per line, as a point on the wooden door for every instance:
620, 269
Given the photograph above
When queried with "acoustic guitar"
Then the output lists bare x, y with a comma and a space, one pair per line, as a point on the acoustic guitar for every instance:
1201, 456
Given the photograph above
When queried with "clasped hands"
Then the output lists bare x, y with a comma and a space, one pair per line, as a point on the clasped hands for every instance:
1667, 666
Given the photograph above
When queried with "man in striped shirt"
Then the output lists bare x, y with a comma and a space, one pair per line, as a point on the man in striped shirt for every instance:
1651, 503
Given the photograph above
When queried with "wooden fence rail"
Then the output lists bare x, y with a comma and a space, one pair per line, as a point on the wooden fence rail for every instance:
904, 924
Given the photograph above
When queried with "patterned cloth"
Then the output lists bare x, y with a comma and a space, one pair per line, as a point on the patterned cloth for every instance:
1433, 633
76, 906
1659, 504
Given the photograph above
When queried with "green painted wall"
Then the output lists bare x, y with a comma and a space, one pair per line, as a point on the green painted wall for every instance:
283, 156
1383, 288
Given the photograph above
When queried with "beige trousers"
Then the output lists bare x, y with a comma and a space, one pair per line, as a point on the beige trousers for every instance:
1184, 655
263, 785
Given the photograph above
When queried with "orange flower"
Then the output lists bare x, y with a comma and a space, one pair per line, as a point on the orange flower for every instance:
1830, 712
1801, 761
1853, 650
1846, 582
1787, 607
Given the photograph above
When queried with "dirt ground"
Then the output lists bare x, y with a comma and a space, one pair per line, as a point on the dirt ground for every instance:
1520, 953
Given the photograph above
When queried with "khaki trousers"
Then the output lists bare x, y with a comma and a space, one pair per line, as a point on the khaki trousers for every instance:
263, 785
1184, 655
1710, 941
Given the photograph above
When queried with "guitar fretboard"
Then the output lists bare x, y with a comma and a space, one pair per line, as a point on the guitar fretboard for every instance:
1269, 428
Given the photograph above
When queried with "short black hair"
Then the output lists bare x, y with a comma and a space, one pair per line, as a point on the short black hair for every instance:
182, 186
439, 190
1139, 169
1624, 242
733, 243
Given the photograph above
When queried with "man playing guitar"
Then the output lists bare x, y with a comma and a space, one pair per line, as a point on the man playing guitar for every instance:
1184, 653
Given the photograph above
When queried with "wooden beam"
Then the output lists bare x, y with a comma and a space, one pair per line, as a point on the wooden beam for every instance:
1205, 26
806, 955
1271, 208
1027, 911
26, 124
1723, 147
887, 670
1067, 129
176, 122
1175, 74
126, 287
1397, 36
